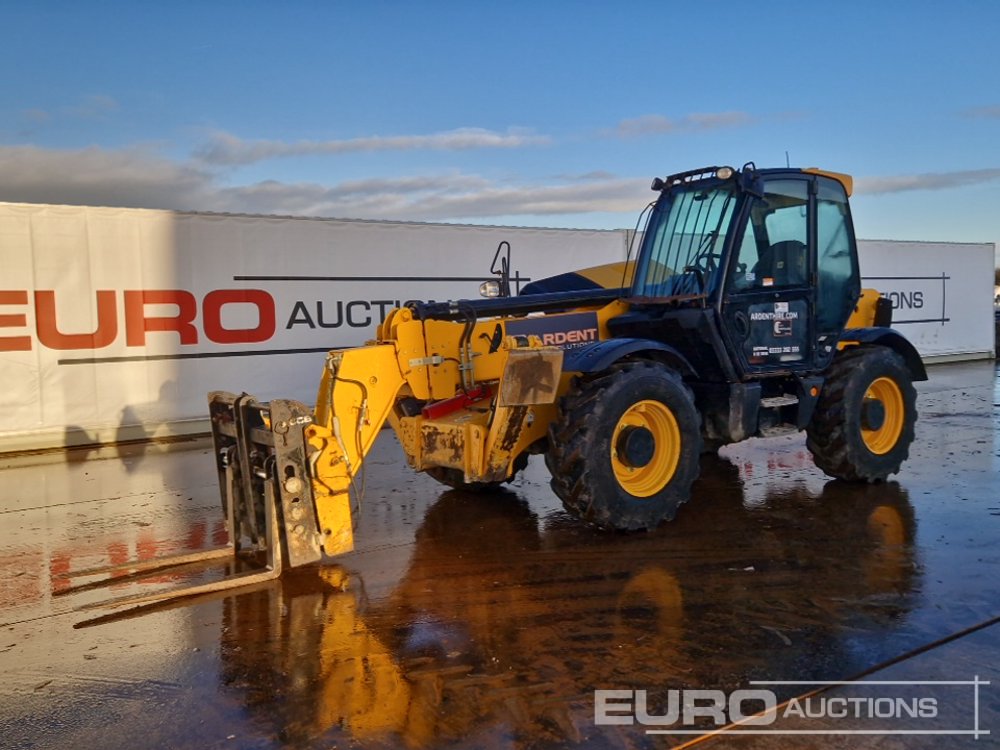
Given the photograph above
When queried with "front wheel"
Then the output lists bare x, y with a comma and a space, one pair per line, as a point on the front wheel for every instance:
625, 447
864, 421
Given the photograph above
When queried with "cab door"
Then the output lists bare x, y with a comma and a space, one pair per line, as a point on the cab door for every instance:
768, 301
838, 278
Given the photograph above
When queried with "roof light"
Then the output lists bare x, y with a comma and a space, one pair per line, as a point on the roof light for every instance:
724, 173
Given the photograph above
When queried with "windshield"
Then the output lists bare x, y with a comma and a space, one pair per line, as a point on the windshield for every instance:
682, 245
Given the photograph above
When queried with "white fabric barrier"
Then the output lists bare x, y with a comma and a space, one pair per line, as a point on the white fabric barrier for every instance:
115, 323
941, 293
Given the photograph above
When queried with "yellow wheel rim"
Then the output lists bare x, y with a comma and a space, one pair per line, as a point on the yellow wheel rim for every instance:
884, 439
647, 480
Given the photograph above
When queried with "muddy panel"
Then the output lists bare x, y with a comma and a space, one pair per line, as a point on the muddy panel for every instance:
531, 377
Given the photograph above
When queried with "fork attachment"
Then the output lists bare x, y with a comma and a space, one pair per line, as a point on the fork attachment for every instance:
261, 447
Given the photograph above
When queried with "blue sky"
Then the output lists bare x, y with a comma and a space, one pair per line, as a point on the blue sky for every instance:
531, 113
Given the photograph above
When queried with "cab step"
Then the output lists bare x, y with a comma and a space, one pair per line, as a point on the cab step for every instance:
776, 402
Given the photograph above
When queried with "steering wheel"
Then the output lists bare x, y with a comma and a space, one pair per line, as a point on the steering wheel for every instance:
706, 259
704, 263
699, 274
711, 261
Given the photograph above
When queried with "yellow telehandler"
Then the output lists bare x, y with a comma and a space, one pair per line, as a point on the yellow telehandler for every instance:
742, 315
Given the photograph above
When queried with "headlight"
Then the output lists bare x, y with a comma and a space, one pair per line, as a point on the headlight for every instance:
489, 288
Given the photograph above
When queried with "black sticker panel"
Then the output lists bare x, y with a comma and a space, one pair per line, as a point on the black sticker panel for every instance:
778, 332
565, 331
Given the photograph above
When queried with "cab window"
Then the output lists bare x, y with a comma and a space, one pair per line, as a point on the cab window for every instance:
774, 249
837, 285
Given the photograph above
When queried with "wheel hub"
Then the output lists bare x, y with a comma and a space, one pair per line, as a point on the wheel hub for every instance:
636, 446
872, 414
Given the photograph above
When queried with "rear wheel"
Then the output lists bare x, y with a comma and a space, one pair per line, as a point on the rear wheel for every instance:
625, 447
864, 421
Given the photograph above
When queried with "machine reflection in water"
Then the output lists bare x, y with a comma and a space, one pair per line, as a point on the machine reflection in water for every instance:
504, 624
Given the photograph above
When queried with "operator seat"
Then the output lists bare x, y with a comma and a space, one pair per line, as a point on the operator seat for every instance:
784, 262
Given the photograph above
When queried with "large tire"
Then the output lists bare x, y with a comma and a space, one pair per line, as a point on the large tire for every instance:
863, 424
625, 447
455, 479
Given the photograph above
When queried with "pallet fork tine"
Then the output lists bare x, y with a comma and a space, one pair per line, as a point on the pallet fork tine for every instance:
144, 568
154, 564
275, 553
263, 472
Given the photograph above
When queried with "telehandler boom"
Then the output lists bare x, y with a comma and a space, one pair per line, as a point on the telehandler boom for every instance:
743, 315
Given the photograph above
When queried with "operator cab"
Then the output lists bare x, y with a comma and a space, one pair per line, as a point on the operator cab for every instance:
767, 257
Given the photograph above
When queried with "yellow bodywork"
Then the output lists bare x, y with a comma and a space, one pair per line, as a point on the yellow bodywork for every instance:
863, 315
508, 395
356, 392
507, 389
844, 179
610, 275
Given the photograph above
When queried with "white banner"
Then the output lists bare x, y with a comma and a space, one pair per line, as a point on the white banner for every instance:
116, 318
115, 323
941, 293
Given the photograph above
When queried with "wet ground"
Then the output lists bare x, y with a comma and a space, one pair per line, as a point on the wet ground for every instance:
489, 621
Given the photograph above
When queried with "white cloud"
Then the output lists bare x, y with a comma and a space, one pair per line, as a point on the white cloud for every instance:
95, 176
140, 178
695, 122
928, 181
373, 198
597, 174
453, 197
225, 149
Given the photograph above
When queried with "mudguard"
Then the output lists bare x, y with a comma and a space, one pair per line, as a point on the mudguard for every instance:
892, 339
602, 354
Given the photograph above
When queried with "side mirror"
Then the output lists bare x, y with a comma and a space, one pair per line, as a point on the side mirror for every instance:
501, 267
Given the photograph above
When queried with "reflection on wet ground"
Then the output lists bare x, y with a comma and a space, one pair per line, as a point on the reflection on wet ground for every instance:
498, 624
488, 621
